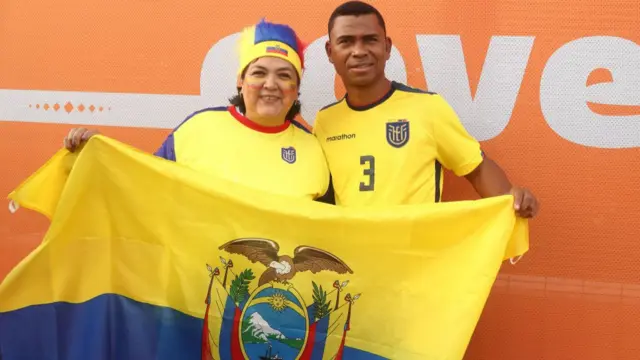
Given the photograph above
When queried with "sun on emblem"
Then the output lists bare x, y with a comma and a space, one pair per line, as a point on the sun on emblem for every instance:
278, 302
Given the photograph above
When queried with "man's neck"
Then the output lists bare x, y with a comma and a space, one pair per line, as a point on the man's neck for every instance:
363, 96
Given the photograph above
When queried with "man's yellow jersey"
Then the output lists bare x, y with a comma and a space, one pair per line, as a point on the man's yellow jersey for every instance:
392, 152
284, 160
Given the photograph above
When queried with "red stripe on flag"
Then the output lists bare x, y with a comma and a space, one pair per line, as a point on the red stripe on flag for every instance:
308, 349
340, 352
206, 346
236, 351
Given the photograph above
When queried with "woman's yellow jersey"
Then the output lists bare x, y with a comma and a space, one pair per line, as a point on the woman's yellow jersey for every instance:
284, 160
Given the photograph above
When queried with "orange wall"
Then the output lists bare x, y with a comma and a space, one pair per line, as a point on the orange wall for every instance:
576, 295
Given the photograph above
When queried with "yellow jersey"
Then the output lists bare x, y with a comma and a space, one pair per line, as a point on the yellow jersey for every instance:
392, 152
286, 159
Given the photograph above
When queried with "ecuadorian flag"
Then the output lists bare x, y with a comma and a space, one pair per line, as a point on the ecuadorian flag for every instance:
147, 259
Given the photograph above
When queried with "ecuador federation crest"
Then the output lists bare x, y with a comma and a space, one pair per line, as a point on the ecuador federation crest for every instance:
398, 133
289, 154
270, 314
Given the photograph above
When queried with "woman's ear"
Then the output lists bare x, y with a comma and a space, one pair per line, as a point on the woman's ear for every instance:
239, 82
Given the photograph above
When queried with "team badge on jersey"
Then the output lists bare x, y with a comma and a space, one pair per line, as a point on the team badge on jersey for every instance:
289, 154
398, 133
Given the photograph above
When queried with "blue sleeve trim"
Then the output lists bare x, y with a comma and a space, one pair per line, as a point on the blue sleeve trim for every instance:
406, 88
167, 149
300, 126
332, 104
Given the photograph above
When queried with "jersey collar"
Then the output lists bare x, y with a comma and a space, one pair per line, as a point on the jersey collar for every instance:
373, 104
257, 127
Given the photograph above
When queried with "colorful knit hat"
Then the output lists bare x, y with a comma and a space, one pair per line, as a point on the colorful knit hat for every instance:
269, 39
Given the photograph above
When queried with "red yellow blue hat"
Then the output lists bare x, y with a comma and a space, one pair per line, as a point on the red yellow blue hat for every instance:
270, 39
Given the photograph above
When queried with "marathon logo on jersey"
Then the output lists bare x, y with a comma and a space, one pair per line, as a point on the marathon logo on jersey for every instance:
277, 50
398, 133
341, 137
289, 154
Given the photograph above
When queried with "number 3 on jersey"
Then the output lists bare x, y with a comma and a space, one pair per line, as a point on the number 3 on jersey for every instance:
369, 171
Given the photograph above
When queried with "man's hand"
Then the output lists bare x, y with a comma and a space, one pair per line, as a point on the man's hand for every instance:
77, 137
488, 179
524, 202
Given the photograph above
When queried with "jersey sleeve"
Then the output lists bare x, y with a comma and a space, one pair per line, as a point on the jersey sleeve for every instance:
325, 187
329, 196
457, 150
326, 194
168, 148
315, 129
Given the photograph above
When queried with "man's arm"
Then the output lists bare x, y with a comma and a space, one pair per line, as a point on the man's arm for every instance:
460, 152
488, 179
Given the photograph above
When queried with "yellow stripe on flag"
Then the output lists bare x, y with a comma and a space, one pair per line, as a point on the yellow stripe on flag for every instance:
410, 281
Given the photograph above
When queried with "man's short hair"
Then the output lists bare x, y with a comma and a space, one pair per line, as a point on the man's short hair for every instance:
355, 8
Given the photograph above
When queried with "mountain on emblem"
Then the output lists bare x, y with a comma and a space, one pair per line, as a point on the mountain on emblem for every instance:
259, 328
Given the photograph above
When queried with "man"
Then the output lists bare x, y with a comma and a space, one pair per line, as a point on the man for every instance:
386, 143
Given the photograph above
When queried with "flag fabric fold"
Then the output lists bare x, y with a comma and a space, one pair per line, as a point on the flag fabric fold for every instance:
148, 259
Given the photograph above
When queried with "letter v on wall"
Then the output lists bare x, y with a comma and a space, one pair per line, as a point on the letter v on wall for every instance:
487, 114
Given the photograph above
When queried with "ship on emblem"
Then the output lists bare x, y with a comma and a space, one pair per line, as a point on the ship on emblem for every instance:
268, 355
398, 133
264, 316
289, 154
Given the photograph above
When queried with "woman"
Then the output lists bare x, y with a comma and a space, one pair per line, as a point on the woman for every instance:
254, 141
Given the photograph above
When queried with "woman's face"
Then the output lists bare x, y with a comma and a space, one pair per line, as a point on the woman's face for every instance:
269, 88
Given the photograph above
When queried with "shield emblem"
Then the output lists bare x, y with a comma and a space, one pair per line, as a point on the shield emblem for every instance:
398, 133
289, 154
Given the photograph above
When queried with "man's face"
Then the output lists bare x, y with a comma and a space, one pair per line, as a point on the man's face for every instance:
358, 49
